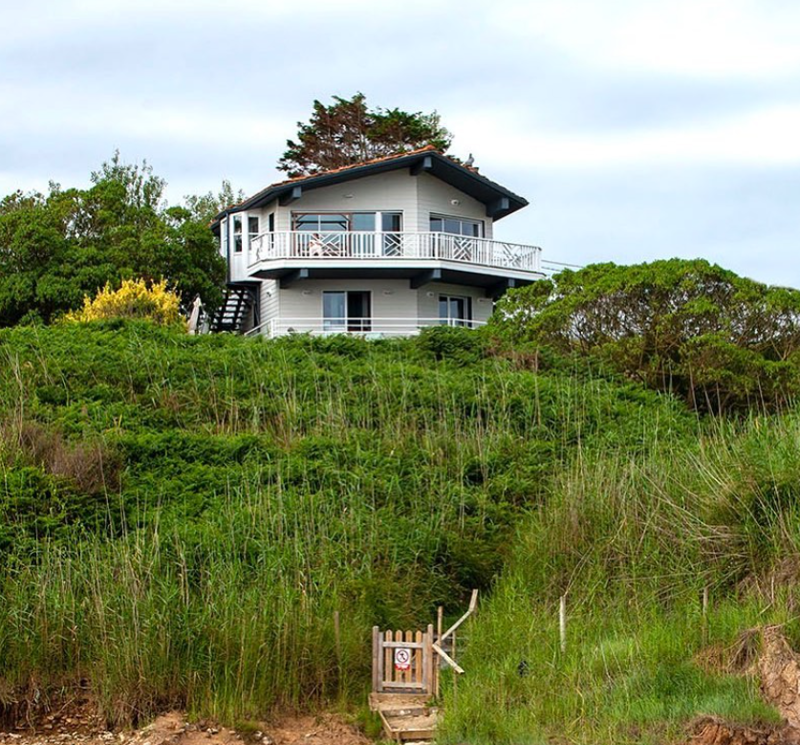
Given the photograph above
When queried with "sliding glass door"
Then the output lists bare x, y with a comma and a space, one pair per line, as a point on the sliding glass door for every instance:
455, 311
346, 311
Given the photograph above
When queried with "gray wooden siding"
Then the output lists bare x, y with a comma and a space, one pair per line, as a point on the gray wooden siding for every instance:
436, 197
395, 191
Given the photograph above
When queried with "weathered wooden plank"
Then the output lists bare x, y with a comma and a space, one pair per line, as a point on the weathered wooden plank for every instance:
376, 651
430, 670
473, 604
449, 660
395, 644
408, 674
388, 662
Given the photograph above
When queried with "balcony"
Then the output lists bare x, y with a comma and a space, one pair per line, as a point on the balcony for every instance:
456, 258
368, 328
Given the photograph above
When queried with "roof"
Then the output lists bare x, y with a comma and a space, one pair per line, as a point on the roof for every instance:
498, 200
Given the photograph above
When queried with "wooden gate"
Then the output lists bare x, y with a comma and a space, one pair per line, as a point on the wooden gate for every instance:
403, 662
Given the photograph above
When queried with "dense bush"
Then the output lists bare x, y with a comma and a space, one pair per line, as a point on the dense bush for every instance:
134, 299
723, 342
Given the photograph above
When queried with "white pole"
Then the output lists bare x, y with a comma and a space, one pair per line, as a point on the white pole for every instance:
562, 622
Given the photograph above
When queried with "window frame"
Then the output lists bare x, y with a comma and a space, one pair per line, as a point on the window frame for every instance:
458, 218
449, 320
348, 324
377, 215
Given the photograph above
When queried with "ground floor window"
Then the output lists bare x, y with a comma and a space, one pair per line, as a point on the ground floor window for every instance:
346, 311
454, 310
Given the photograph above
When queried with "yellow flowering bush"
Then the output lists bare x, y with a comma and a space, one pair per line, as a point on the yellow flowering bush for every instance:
134, 299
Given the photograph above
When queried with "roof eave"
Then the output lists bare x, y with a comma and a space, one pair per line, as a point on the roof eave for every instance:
478, 186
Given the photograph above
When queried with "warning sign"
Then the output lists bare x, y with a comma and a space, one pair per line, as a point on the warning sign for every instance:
402, 658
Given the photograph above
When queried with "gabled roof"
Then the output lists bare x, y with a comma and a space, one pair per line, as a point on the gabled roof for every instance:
499, 201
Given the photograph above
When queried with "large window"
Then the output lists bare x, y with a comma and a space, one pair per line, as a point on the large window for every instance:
329, 222
454, 310
322, 223
457, 226
346, 311
347, 233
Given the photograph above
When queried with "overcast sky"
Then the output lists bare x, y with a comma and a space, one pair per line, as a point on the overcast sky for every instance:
636, 129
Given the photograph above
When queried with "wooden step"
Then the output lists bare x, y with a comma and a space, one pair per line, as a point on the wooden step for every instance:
405, 727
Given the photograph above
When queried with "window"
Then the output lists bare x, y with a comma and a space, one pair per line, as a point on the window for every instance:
391, 226
347, 233
237, 234
391, 222
346, 311
454, 310
322, 223
457, 226
252, 226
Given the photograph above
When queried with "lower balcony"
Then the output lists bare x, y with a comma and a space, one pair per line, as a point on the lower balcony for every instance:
369, 328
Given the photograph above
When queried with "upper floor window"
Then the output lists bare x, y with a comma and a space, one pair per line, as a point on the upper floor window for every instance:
457, 226
329, 222
237, 234
253, 226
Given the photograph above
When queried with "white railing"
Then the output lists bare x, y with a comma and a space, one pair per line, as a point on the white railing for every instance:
372, 247
371, 328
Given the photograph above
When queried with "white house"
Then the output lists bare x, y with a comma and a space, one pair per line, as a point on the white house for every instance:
379, 248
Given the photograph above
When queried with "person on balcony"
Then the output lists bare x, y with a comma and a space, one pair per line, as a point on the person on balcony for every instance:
315, 245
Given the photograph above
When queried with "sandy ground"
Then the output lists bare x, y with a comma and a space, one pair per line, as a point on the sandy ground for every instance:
173, 729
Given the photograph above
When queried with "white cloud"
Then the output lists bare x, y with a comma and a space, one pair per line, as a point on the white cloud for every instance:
697, 38
766, 136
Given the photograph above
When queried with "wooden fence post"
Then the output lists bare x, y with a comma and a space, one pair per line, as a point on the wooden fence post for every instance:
376, 659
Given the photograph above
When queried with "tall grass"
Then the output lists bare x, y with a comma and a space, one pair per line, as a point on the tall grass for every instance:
263, 487
632, 542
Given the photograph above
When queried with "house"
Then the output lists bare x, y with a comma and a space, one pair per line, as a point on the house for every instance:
380, 248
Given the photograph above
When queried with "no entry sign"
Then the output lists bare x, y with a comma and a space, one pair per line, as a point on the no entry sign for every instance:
402, 658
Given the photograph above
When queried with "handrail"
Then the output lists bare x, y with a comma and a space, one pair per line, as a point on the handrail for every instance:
378, 246
368, 326
473, 604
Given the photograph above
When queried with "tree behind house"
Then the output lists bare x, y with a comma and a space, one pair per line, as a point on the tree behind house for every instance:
347, 132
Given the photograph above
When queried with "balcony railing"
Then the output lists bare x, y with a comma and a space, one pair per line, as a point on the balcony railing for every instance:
377, 247
367, 327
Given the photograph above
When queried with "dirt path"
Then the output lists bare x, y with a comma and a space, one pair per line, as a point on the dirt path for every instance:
173, 729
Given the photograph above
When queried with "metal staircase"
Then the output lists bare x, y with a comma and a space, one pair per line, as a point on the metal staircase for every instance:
235, 310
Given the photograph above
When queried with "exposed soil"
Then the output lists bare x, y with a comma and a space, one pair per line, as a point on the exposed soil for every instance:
778, 667
714, 731
174, 729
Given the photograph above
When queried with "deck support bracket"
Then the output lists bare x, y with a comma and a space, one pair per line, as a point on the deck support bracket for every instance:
424, 278
289, 279
497, 290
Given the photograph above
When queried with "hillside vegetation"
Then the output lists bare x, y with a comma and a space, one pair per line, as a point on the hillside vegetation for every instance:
181, 517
